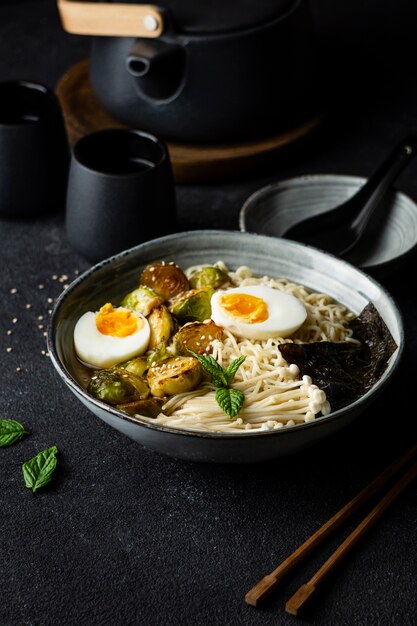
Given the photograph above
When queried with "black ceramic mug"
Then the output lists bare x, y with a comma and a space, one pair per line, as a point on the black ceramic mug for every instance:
34, 151
120, 192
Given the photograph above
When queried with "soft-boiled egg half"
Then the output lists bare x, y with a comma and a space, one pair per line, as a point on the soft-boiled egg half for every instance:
257, 312
110, 336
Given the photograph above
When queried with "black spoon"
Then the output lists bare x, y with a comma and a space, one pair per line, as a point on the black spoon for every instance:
339, 229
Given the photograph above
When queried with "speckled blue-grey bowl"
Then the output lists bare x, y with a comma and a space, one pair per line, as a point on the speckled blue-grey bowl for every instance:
388, 242
112, 278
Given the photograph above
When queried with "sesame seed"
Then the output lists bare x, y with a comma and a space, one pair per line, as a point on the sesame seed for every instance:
54, 277
49, 311
9, 332
47, 354
40, 326
28, 306
40, 317
14, 290
76, 272
8, 349
41, 286
18, 369
50, 300
66, 286
14, 320
45, 334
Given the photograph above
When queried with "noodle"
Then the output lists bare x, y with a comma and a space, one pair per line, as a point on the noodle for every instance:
275, 395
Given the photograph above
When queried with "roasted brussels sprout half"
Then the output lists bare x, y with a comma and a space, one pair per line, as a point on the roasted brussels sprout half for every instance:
162, 326
175, 375
157, 355
137, 366
166, 279
192, 306
148, 408
209, 276
142, 300
197, 336
117, 385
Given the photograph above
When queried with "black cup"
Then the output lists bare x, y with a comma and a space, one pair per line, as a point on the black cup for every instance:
120, 192
34, 151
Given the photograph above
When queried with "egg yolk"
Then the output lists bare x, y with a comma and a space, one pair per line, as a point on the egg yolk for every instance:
245, 307
117, 323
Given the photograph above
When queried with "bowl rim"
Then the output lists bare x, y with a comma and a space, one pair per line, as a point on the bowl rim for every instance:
73, 384
303, 180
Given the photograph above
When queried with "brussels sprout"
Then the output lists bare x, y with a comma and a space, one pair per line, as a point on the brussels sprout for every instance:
162, 326
148, 408
209, 276
192, 306
158, 355
137, 366
197, 336
117, 385
142, 300
166, 279
176, 375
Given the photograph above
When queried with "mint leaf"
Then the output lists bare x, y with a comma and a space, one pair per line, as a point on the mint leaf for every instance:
11, 431
211, 366
230, 400
233, 367
37, 472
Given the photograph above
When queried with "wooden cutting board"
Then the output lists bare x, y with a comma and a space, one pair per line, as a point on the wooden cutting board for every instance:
191, 163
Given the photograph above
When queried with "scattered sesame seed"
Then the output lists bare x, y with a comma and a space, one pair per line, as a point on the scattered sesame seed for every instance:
54, 277
43, 352
47, 354
41, 286
8, 349
45, 334
76, 272
40, 317
49, 311
9, 332
18, 369
28, 306
66, 286
40, 326
14, 320
50, 300
14, 290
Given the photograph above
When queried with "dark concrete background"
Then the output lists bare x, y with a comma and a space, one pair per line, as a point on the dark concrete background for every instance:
123, 536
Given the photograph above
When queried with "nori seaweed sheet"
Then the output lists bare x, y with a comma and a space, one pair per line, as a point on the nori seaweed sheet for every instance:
345, 371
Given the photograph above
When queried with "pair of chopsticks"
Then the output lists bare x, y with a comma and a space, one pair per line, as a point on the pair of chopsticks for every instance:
296, 603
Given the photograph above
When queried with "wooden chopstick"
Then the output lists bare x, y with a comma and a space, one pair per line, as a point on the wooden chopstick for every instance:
268, 583
305, 592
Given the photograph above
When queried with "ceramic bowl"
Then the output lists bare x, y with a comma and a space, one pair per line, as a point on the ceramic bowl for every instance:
112, 278
387, 244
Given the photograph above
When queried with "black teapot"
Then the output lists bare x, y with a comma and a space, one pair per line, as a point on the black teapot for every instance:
218, 71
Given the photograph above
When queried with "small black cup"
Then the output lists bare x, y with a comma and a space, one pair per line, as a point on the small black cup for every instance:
120, 192
34, 150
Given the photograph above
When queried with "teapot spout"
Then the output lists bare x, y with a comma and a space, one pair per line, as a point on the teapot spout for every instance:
158, 67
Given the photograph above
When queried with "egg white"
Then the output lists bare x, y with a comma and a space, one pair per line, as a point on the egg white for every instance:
98, 350
285, 313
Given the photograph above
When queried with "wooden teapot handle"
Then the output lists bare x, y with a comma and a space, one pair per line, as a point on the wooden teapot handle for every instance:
111, 20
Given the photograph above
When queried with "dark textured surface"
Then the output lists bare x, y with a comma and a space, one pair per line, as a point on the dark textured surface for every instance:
123, 536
